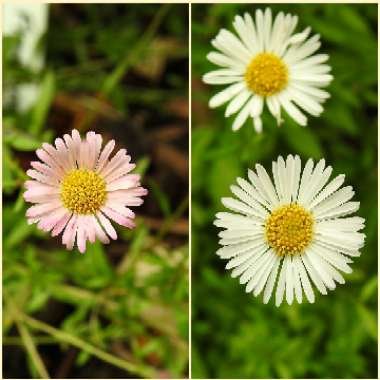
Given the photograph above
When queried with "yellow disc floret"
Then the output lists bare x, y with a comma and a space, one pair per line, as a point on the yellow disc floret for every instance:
266, 74
83, 191
289, 229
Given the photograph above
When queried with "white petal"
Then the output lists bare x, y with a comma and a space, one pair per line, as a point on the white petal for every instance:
281, 283
226, 61
304, 279
238, 102
297, 282
334, 185
242, 116
271, 281
266, 185
234, 250
340, 197
289, 282
292, 110
226, 95
315, 277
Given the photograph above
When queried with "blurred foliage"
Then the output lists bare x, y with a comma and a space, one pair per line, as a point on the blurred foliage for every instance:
235, 335
119, 310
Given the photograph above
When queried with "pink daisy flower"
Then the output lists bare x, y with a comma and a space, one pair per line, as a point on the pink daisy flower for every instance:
78, 188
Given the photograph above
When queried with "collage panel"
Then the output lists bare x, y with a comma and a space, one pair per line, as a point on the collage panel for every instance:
283, 149
256, 121
95, 190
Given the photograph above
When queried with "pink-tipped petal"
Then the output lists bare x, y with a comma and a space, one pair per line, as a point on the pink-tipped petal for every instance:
61, 224
99, 231
120, 219
130, 197
63, 154
121, 171
46, 170
90, 229
48, 221
119, 158
40, 177
53, 153
71, 156
92, 142
104, 155
126, 182
81, 236
43, 208
121, 209
107, 225
37, 196
46, 158
68, 237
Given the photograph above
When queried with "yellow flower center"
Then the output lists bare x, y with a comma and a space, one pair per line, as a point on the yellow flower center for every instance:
266, 74
289, 229
83, 191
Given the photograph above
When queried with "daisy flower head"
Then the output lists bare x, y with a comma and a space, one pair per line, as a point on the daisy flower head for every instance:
290, 233
266, 62
77, 189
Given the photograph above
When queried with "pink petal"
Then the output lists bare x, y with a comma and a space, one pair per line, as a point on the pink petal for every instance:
126, 182
64, 158
51, 219
45, 157
107, 225
40, 177
81, 160
90, 229
61, 224
40, 197
39, 194
119, 172
76, 138
104, 155
129, 197
118, 159
43, 208
68, 237
99, 232
72, 149
120, 219
53, 153
121, 209
45, 170
94, 148
98, 147
82, 236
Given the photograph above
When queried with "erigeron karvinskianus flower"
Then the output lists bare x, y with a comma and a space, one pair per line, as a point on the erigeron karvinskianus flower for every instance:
267, 63
77, 189
290, 233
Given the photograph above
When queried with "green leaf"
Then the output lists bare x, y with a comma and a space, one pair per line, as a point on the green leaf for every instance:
20, 231
45, 98
302, 140
369, 290
221, 176
21, 140
369, 320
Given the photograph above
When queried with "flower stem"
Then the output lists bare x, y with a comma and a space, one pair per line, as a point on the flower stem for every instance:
73, 340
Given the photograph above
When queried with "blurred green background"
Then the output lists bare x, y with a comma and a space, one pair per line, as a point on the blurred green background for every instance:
235, 335
119, 310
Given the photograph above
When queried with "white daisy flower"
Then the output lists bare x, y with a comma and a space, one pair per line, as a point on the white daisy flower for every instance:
267, 62
296, 230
